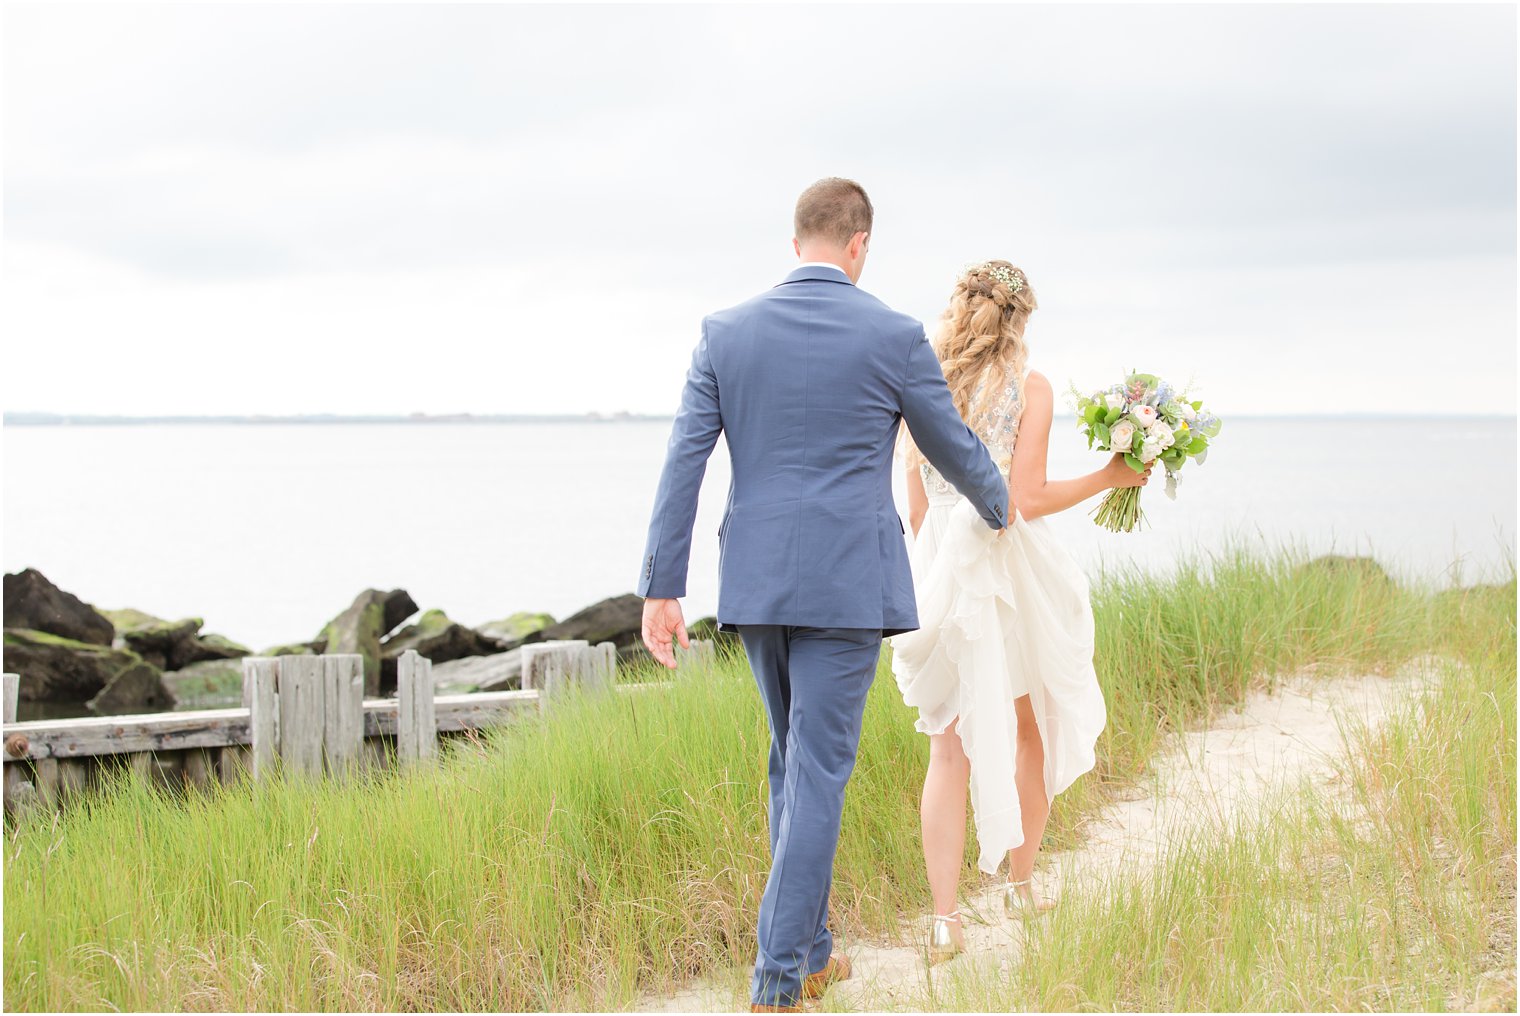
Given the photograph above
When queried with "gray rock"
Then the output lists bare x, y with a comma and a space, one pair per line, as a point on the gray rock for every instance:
437, 638
35, 604
136, 689
618, 619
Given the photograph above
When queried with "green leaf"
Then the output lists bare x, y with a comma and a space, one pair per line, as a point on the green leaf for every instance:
1111, 417
1133, 461
1100, 429
1197, 445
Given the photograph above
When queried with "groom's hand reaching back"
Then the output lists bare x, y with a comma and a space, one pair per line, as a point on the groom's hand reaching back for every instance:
662, 623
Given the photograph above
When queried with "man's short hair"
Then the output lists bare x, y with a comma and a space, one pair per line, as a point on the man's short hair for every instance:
833, 209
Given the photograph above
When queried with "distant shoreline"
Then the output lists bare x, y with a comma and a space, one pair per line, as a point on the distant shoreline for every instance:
82, 419
30, 419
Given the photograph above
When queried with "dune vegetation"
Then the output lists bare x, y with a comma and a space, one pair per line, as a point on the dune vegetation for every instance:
618, 845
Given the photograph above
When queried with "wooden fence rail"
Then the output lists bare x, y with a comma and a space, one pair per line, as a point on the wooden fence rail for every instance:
305, 714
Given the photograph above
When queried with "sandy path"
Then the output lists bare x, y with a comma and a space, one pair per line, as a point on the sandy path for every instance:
1201, 781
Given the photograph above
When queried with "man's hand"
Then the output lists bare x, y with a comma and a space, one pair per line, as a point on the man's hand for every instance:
662, 623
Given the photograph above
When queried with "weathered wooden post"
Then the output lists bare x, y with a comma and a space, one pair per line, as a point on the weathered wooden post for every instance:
535, 657
260, 677
20, 795
601, 667
343, 711
575, 665
298, 690
558, 665
12, 686
701, 656
416, 726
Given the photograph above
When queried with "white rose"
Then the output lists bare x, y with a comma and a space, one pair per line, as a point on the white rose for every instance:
1161, 434
1188, 412
1114, 401
1122, 437
1149, 449
1144, 415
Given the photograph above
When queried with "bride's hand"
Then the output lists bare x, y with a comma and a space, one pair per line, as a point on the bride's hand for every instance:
1120, 475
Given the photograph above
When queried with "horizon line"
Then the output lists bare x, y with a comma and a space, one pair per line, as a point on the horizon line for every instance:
47, 419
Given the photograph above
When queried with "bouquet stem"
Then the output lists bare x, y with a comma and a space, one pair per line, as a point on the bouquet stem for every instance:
1119, 511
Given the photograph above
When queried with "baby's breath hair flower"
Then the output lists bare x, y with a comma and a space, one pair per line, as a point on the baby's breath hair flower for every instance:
1007, 276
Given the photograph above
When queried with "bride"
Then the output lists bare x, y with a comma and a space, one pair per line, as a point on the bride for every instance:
1001, 667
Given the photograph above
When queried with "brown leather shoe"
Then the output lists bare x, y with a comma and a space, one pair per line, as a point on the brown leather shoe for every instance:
836, 969
775, 1008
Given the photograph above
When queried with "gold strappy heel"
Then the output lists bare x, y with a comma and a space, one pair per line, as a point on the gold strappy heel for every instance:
1016, 904
942, 945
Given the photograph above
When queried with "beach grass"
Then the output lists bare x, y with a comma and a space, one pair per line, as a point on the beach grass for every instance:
618, 845
1390, 889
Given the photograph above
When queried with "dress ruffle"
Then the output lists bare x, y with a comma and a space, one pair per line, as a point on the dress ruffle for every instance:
1001, 616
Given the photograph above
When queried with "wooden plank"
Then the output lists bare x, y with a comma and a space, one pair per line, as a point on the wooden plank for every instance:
344, 721
141, 763
416, 720
427, 711
45, 779
601, 668
299, 692
234, 762
197, 767
73, 778
553, 670
11, 690
109, 735
700, 657
230, 729
261, 675
535, 656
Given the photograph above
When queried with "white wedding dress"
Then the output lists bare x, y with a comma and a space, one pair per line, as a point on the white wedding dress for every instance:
1000, 616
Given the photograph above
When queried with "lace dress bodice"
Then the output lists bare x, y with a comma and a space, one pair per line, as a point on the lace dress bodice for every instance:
994, 417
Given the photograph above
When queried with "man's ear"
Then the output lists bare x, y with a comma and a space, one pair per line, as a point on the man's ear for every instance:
797, 246
857, 244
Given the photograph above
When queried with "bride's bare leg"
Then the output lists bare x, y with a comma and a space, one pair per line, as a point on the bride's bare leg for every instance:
943, 813
1029, 757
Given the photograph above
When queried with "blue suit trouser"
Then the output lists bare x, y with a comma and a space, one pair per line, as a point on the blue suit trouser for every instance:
813, 682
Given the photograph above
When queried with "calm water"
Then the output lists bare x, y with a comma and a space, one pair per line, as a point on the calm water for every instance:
267, 531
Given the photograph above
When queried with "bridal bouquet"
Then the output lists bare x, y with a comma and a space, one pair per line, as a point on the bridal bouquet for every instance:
1147, 421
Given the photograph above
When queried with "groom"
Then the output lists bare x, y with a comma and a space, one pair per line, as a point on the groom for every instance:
809, 381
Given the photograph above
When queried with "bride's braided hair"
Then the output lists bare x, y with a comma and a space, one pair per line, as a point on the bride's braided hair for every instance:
982, 327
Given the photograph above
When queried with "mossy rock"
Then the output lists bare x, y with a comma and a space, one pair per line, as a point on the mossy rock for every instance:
516, 627
208, 679
131, 619
55, 668
360, 628
316, 646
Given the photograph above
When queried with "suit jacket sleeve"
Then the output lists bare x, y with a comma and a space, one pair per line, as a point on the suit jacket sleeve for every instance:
695, 431
946, 441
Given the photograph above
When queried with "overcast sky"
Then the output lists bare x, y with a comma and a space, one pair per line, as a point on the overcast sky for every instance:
280, 209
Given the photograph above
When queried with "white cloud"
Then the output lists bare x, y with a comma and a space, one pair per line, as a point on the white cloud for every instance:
528, 209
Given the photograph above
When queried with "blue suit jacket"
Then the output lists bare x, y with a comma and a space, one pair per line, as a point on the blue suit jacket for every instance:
809, 382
